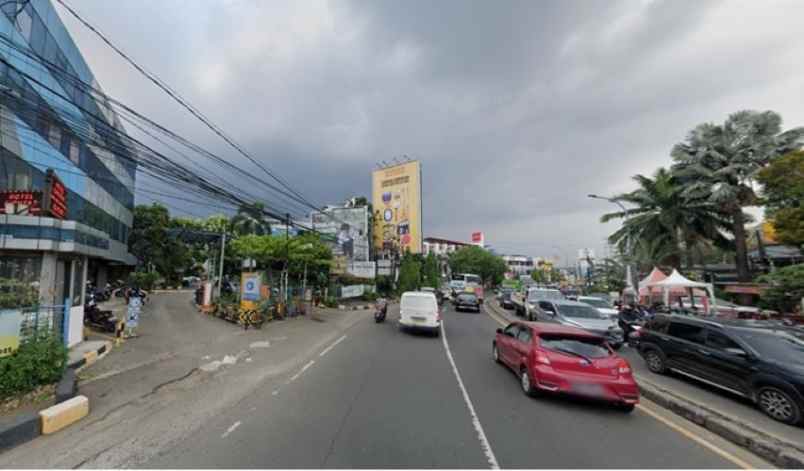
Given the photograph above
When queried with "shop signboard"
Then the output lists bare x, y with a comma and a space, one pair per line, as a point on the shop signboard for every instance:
396, 196
21, 202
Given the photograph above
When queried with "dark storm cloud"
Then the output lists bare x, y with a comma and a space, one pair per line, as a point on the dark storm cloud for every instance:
516, 109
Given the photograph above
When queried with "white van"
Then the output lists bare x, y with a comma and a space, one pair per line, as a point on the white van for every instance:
419, 310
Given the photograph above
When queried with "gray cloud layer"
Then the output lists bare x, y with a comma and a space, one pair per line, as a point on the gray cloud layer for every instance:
516, 109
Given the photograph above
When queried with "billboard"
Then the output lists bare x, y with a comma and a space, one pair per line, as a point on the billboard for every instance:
396, 195
348, 231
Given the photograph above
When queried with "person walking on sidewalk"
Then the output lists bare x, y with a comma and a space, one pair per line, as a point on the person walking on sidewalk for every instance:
134, 301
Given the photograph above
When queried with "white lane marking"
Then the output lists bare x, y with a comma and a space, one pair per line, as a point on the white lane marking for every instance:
304, 368
481, 435
230, 429
326, 350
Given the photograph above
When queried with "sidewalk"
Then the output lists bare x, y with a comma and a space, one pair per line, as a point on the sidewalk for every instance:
183, 368
729, 416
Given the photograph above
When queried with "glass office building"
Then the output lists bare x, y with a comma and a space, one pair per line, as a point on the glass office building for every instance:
66, 201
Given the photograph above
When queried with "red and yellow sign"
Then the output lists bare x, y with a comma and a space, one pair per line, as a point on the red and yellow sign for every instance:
396, 195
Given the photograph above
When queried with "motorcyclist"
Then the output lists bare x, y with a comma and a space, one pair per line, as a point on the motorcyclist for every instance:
381, 310
628, 318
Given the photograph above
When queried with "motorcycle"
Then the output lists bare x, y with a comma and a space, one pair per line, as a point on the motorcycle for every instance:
94, 317
380, 311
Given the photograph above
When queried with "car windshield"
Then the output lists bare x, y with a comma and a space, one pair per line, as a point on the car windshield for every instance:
472, 279
544, 294
582, 312
587, 347
595, 302
779, 345
467, 297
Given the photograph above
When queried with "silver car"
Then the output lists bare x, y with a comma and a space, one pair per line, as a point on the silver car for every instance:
577, 314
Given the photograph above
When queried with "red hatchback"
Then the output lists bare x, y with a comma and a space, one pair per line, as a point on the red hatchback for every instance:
563, 359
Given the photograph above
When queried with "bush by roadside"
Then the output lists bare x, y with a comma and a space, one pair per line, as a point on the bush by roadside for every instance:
39, 360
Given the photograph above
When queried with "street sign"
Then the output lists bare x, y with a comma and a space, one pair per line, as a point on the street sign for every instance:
250, 287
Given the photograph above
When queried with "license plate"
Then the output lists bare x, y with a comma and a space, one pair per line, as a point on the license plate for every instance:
418, 319
587, 389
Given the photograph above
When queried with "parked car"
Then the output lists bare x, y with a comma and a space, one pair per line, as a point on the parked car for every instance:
506, 300
418, 310
762, 362
584, 316
466, 301
603, 307
564, 359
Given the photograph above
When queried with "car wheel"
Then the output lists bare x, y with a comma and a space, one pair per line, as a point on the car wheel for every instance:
627, 408
778, 405
655, 361
436, 332
495, 353
526, 383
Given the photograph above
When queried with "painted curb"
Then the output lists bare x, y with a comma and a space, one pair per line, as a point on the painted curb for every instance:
67, 387
24, 428
60, 416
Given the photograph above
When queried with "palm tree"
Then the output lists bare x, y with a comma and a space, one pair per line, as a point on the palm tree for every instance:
250, 219
663, 222
718, 163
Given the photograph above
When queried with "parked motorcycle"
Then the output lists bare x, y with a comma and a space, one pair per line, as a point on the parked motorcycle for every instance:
96, 318
380, 310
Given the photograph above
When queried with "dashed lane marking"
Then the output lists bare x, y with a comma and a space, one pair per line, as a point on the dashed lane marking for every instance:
326, 350
230, 429
481, 435
304, 368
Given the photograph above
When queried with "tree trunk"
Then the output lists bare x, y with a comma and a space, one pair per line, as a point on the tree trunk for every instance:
741, 253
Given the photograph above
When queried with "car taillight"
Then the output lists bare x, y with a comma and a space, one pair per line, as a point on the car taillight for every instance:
438, 316
624, 368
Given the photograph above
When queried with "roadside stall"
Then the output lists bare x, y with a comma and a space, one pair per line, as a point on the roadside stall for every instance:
676, 285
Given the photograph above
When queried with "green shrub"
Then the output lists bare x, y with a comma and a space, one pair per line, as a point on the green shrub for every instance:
39, 360
144, 280
331, 302
370, 296
786, 288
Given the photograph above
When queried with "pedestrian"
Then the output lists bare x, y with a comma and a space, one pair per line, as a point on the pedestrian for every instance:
134, 301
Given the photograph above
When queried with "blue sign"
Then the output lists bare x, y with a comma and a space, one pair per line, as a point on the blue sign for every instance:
251, 287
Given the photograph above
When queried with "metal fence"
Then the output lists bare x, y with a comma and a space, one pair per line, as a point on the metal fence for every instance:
41, 320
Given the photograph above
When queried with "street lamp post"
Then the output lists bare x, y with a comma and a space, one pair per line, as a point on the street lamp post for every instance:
629, 277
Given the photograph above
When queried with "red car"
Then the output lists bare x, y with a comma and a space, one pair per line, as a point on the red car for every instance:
563, 359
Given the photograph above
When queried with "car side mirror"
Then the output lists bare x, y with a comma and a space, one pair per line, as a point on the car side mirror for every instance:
499, 331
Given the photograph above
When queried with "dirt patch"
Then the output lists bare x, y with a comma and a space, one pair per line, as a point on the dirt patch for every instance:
42, 394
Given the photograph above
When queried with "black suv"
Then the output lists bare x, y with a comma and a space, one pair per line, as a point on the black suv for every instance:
467, 301
764, 363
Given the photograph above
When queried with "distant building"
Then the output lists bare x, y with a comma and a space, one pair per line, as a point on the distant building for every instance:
519, 264
441, 247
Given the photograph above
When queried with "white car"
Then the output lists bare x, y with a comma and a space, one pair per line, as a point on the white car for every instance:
602, 306
419, 310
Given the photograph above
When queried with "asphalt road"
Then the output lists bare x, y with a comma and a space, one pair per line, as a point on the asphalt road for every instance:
381, 398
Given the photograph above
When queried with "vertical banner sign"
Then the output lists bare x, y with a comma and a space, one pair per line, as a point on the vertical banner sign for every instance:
10, 323
396, 196
55, 200
250, 290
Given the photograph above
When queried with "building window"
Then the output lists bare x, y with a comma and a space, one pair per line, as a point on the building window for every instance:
19, 280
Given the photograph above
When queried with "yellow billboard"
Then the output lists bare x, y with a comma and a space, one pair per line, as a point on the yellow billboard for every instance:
397, 199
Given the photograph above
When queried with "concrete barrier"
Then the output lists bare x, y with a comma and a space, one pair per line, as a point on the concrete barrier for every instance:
61, 415
24, 428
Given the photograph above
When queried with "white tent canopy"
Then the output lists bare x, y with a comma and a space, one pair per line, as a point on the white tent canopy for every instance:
677, 280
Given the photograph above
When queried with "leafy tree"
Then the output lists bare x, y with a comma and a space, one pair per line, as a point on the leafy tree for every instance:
410, 273
719, 163
538, 275
786, 288
479, 261
783, 195
154, 248
250, 219
670, 221
432, 271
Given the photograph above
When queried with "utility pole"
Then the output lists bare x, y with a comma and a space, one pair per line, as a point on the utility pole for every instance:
287, 259
220, 276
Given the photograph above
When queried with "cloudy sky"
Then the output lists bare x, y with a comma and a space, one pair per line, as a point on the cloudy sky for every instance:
517, 110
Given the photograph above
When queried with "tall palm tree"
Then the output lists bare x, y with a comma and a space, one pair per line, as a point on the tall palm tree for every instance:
250, 219
664, 221
718, 163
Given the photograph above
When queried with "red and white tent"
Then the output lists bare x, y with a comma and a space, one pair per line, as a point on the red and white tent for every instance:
678, 285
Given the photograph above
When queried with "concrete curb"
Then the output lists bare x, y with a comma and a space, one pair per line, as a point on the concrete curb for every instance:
90, 358
773, 449
62, 415
24, 428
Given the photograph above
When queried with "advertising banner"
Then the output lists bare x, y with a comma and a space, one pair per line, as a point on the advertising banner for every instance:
250, 287
10, 323
396, 195
348, 230
352, 291
362, 269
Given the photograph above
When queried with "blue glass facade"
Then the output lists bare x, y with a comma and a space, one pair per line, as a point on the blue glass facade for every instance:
41, 130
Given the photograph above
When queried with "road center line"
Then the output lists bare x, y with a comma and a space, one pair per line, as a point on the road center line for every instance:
304, 368
230, 429
326, 350
481, 435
